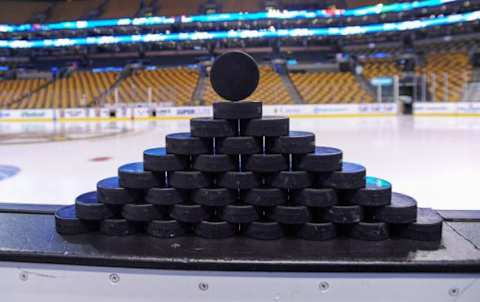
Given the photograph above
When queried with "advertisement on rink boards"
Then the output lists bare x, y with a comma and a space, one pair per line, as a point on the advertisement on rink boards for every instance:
161, 112
440, 108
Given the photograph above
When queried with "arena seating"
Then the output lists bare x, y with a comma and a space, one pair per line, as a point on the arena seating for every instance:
241, 5
447, 75
13, 12
121, 8
11, 90
177, 8
71, 10
270, 89
380, 68
329, 87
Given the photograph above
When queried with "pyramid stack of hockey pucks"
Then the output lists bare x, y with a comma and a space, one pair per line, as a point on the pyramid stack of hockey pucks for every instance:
239, 173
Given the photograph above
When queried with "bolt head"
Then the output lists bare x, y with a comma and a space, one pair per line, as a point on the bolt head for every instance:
203, 286
114, 278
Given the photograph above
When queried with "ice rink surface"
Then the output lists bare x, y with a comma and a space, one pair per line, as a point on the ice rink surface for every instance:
434, 159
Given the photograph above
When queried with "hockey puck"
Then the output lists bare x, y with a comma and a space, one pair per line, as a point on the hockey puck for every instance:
109, 192
318, 198
428, 226
371, 231
238, 180
165, 196
67, 223
168, 228
402, 209
264, 197
266, 126
266, 163
324, 159
133, 176
317, 231
296, 142
87, 207
117, 227
188, 213
377, 192
239, 213
345, 214
188, 180
140, 212
234, 75
213, 163
237, 110
351, 176
264, 230
158, 160
213, 197
214, 229
210, 127
185, 144
291, 180
238, 145
287, 214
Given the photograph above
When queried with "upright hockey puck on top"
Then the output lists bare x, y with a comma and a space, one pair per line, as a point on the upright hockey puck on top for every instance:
234, 75
158, 160
237, 110
189, 180
402, 209
377, 192
87, 207
351, 176
133, 176
239, 145
428, 226
213, 163
296, 142
67, 223
266, 126
110, 192
185, 144
209, 127
267, 163
323, 159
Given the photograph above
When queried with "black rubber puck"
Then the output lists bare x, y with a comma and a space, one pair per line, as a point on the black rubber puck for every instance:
140, 212
165, 196
213, 197
402, 209
238, 145
266, 126
377, 192
317, 231
318, 198
185, 144
213, 163
264, 230
117, 227
287, 214
351, 176
188, 213
237, 110
210, 127
234, 75
168, 228
110, 192
296, 142
214, 229
133, 176
345, 214
239, 213
264, 197
266, 163
67, 223
291, 180
324, 159
428, 226
238, 180
158, 160
87, 207
188, 179
371, 231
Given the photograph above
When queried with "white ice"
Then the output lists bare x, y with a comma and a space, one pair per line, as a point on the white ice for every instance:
434, 159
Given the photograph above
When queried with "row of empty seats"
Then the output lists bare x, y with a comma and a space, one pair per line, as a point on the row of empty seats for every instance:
329, 88
13, 90
380, 68
270, 90
13, 12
